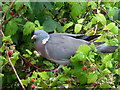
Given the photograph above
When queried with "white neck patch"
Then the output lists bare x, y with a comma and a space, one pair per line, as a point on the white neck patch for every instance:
44, 41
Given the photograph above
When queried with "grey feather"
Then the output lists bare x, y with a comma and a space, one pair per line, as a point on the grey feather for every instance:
61, 46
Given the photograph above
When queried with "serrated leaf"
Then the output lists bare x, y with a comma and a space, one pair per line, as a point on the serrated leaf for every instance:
49, 25
11, 28
114, 30
25, 82
80, 20
106, 71
92, 77
109, 64
83, 48
109, 26
29, 27
92, 4
77, 28
83, 79
67, 26
43, 75
107, 58
76, 10
100, 17
66, 69
117, 71
111, 12
43, 84
105, 85
78, 57
15, 57
88, 25
94, 20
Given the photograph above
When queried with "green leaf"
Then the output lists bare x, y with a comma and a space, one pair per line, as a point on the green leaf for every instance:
105, 85
80, 20
101, 18
67, 26
109, 64
111, 11
84, 48
114, 30
25, 82
106, 71
78, 57
49, 25
29, 52
92, 77
2, 48
66, 69
15, 57
37, 23
11, 28
59, 28
29, 27
1, 75
83, 78
43, 84
92, 4
2, 60
109, 26
59, 4
107, 58
76, 10
77, 28
88, 25
43, 75
94, 20
56, 80
117, 71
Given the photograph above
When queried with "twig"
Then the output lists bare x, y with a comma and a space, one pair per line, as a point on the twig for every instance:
95, 29
11, 62
34, 65
14, 14
15, 71
8, 9
1, 30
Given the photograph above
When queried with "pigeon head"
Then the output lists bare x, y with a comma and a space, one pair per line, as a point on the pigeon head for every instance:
40, 35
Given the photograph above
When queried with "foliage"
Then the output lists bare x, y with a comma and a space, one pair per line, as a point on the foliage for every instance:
72, 17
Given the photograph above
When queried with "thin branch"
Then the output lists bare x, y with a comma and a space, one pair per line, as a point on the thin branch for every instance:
11, 62
95, 29
14, 14
34, 65
15, 71
1, 30
8, 9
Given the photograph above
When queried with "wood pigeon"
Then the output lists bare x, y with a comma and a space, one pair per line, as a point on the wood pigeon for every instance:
59, 47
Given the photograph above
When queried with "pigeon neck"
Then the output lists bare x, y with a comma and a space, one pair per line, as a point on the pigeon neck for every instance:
44, 41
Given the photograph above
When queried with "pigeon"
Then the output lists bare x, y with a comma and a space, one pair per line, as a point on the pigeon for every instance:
59, 47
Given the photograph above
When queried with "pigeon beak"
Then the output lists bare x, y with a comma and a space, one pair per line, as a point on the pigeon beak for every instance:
33, 37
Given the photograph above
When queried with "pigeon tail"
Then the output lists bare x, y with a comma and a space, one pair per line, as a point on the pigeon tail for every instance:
106, 49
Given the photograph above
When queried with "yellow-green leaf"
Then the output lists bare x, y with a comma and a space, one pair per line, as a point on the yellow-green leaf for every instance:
109, 26
67, 26
77, 28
